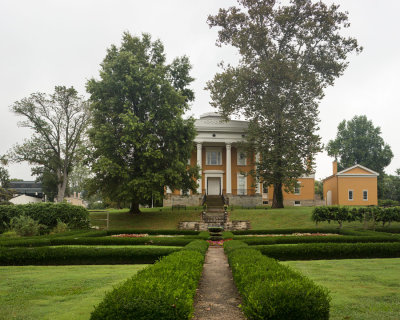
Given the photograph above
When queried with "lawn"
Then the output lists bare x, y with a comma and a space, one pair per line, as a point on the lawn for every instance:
57, 292
261, 219
366, 289
156, 218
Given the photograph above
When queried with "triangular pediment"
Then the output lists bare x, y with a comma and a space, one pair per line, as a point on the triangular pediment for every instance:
357, 169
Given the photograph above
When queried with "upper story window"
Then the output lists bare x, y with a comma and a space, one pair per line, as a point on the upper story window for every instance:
365, 195
351, 195
241, 158
214, 157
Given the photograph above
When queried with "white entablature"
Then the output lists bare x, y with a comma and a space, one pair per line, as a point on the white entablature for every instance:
213, 128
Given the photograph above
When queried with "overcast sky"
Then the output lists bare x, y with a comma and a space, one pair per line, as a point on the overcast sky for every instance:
57, 42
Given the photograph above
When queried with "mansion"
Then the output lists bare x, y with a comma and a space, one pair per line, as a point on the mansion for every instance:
224, 166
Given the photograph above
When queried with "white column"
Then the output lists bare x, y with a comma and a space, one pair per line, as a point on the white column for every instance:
199, 160
258, 184
228, 169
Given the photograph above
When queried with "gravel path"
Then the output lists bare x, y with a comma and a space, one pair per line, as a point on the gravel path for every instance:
217, 296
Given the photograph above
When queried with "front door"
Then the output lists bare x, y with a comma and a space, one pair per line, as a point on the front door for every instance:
214, 186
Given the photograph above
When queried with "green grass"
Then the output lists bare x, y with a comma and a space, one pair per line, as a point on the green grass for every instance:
364, 289
63, 292
156, 218
286, 218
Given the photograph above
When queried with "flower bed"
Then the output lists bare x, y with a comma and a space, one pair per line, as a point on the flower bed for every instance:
130, 235
217, 242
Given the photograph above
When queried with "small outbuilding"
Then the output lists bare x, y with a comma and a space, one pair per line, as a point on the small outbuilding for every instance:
354, 186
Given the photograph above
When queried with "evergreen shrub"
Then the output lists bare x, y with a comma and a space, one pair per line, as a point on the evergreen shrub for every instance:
270, 290
165, 290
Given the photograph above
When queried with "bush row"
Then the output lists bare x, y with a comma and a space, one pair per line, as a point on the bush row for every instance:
317, 239
272, 291
95, 241
165, 290
288, 231
363, 214
47, 214
154, 232
316, 251
77, 256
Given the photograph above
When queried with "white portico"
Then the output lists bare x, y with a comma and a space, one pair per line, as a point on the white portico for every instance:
223, 164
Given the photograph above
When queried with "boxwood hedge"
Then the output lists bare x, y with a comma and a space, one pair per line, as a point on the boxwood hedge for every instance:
76, 256
315, 251
47, 214
272, 291
163, 291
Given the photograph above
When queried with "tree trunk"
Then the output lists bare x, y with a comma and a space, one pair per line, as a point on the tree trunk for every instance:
62, 185
134, 208
277, 201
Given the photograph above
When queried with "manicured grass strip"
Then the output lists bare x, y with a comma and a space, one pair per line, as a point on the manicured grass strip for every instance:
317, 251
366, 289
57, 292
273, 291
163, 291
81, 255
93, 241
315, 239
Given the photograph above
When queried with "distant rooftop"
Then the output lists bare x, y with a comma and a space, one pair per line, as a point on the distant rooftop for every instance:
26, 187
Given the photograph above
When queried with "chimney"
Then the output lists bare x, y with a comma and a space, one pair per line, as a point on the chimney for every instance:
74, 194
334, 164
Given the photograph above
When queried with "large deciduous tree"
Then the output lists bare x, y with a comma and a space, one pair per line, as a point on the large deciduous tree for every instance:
358, 141
58, 122
288, 55
141, 143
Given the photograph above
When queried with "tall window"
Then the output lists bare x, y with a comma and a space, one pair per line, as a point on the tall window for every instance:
365, 195
350, 194
241, 184
297, 188
241, 158
214, 158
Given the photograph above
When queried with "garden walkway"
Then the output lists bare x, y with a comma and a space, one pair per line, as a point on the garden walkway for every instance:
217, 296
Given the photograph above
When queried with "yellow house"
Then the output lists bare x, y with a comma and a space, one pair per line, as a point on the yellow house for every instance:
224, 168
354, 186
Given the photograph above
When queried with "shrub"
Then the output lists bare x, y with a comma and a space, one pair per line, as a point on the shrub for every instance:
388, 203
227, 235
316, 251
48, 214
233, 245
272, 291
25, 226
78, 256
61, 227
205, 235
163, 291
287, 231
154, 232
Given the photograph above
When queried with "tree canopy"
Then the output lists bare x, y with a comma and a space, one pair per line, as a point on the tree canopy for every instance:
358, 141
140, 142
288, 55
58, 122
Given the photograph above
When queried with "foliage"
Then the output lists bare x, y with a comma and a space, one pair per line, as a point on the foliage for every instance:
4, 177
47, 214
388, 203
317, 251
362, 214
163, 291
319, 189
140, 142
70, 256
359, 142
289, 55
25, 226
58, 122
61, 227
390, 187
273, 291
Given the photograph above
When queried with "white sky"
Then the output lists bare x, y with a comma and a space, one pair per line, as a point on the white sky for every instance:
58, 42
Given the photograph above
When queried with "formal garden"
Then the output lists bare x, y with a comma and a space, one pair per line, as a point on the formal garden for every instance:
55, 265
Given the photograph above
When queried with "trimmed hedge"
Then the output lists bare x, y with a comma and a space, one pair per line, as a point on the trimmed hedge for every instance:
165, 290
77, 256
317, 251
227, 235
272, 291
341, 214
289, 231
317, 239
47, 214
96, 241
154, 232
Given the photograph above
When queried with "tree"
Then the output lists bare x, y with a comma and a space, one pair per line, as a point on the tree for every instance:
391, 187
141, 143
58, 122
319, 188
288, 55
359, 142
